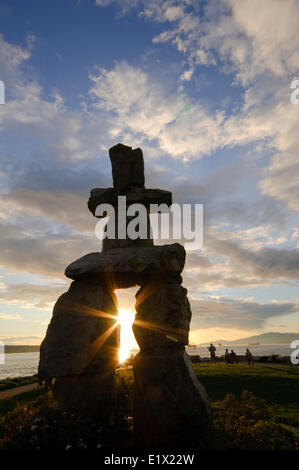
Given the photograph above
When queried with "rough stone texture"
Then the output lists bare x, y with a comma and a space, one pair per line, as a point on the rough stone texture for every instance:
81, 345
134, 195
82, 338
127, 242
132, 265
171, 407
127, 167
111, 244
162, 315
128, 181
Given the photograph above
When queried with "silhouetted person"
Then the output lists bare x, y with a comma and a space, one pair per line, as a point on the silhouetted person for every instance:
227, 356
212, 350
249, 357
233, 357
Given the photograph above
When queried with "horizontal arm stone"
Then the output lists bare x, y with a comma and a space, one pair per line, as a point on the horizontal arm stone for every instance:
131, 264
134, 195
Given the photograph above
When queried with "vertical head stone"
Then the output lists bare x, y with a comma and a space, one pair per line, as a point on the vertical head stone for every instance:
127, 167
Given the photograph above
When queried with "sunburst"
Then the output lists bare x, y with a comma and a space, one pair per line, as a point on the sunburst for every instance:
127, 339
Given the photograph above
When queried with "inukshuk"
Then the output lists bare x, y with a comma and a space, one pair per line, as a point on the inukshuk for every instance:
81, 345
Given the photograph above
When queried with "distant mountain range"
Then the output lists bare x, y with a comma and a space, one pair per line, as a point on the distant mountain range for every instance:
263, 339
20, 348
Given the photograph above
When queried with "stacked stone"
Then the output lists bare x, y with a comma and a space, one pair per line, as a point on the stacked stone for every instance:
82, 340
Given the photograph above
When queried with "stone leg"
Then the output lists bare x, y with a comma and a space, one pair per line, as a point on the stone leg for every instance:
163, 315
80, 349
171, 407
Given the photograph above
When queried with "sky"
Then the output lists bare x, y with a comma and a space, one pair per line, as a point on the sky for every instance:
203, 87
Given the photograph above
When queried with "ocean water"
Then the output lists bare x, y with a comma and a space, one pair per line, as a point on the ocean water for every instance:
19, 365
24, 364
257, 350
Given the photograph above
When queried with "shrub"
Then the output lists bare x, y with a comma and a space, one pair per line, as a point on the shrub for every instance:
243, 423
246, 424
9, 382
42, 425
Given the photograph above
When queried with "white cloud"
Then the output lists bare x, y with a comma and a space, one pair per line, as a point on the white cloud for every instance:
65, 208
6, 316
134, 106
187, 75
40, 297
236, 313
173, 13
255, 37
271, 29
239, 260
103, 3
66, 134
258, 42
143, 107
11, 58
21, 339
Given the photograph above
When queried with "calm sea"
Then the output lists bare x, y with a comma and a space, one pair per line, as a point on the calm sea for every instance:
24, 364
19, 365
257, 350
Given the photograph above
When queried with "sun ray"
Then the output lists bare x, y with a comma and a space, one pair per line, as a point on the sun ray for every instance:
145, 292
100, 341
127, 339
85, 310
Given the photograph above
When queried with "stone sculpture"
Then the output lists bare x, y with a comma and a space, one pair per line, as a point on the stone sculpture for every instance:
81, 345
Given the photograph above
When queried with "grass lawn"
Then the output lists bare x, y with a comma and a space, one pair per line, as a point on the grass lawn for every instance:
278, 386
9, 404
8, 383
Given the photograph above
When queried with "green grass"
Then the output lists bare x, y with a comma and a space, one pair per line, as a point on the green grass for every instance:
278, 386
9, 404
16, 382
247, 421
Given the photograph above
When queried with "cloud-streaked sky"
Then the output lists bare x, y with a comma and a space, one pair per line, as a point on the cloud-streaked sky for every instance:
203, 87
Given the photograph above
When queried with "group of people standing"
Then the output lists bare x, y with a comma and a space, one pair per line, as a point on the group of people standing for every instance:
230, 357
